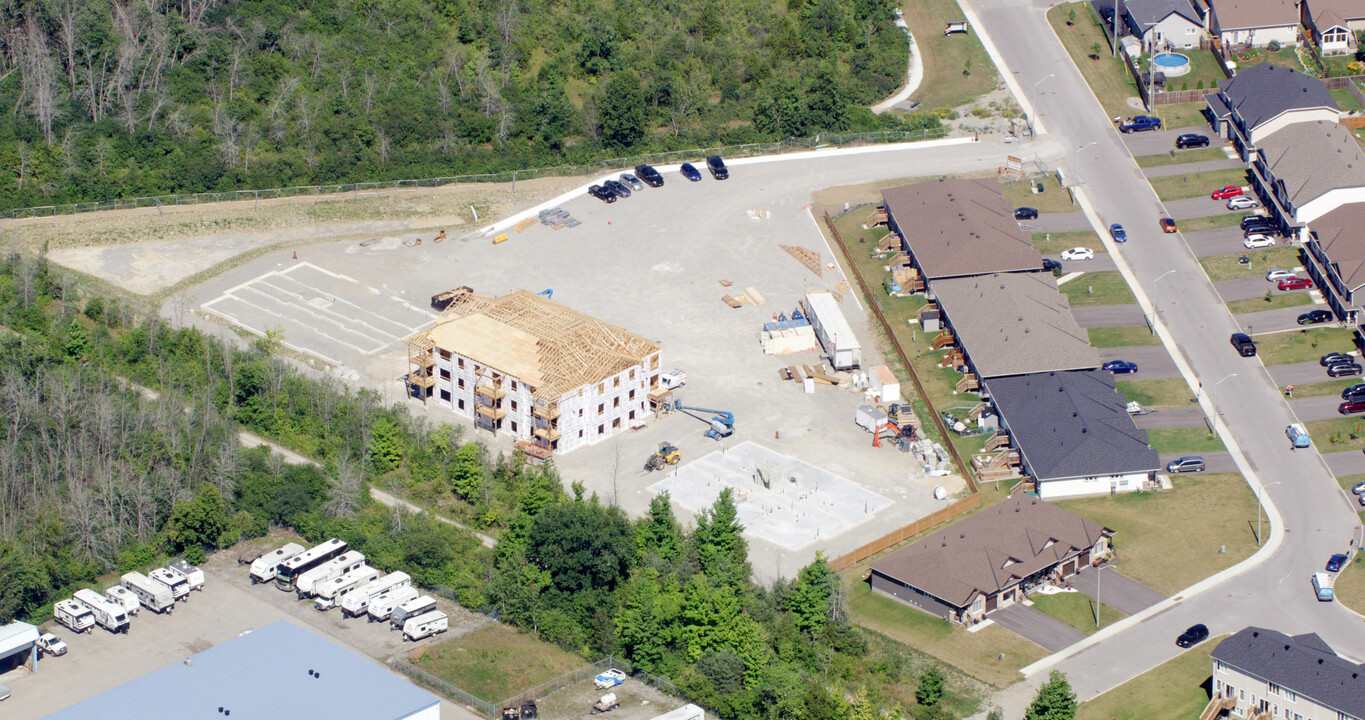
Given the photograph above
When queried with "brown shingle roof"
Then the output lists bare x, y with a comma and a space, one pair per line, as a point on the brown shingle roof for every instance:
991, 550
1327, 13
1341, 235
960, 227
1245, 14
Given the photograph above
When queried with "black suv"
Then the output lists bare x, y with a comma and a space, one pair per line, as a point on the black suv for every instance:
1195, 635
1259, 222
717, 167
1191, 140
1246, 347
649, 176
1354, 392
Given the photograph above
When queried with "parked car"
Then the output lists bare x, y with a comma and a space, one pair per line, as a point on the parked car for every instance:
602, 194
1246, 347
1358, 488
1078, 253
1345, 370
1259, 224
1351, 407
1242, 202
1193, 636
1118, 233
1335, 562
1298, 435
1258, 241
1353, 392
1121, 367
1188, 463
1167, 225
1026, 213
631, 182
717, 167
1049, 264
1297, 283
690, 172
1140, 123
1313, 317
1332, 358
649, 176
618, 188
1278, 274
1191, 140
50, 644
1226, 192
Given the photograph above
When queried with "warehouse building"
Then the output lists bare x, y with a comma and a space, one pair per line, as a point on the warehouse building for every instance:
18, 646
278, 671
526, 365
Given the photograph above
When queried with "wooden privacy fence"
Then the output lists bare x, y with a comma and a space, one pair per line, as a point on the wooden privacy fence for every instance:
927, 522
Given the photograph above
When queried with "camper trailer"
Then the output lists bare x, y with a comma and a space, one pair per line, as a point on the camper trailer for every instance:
125, 597
178, 584
194, 575
151, 594
74, 615
307, 584
411, 609
263, 568
110, 616
293, 569
425, 625
330, 593
356, 603
382, 605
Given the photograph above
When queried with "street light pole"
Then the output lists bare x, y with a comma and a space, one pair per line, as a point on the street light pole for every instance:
1213, 398
1156, 309
1076, 157
1258, 511
1034, 102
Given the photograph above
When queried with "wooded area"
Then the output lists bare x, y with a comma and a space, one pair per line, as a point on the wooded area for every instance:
108, 99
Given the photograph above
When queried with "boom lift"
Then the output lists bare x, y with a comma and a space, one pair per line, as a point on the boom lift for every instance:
722, 425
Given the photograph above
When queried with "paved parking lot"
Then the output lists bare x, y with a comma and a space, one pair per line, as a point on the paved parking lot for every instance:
1098, 316
1247, 288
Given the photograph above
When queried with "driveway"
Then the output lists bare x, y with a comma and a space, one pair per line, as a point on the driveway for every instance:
1194, 167
1246, 288
1057, 222
1115, 589
1323, 407
1345, 462
1195, 207
1216, 462
1160, 141
1108, 315
1101, 263
1171, 417
1152, 361
1036, 625
1270, 321
1297, 373
1218, 241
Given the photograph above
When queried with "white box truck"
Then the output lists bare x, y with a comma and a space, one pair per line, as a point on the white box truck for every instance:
356, 603
178, 584
264, 567
833, 331
74, 615
306, 584
291, 570
382, 605
329, 594
425, 625
125, 597
110, 616
411, 609
151, 594
194, 575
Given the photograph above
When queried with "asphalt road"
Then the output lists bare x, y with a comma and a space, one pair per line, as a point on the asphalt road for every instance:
1273, 590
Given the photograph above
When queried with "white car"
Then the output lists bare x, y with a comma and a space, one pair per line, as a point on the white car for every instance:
1258, 241
1078, 254
1278, 274
1242, 202
50, 644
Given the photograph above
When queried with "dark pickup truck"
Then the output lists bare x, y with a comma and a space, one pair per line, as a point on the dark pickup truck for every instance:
1140, 123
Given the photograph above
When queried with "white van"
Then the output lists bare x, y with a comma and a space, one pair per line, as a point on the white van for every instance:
1322, 586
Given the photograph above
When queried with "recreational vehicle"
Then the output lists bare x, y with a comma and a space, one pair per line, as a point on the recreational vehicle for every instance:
194, 575
263, 568
74, 615
411, 609
292, 569
124, 597
307, 583
151, 594
110, 616
356, 603
425, 625
178, 584
330, 593
382, 605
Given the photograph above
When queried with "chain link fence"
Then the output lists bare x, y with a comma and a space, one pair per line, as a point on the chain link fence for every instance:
356, 189
422, 677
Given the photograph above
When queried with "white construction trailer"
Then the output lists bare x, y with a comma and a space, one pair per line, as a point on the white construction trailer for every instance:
194, 575
179, 584
110, 616
307, 583
425, 625
74, 615
686, 712
833, 331
294, 568
151, 594
411, 609
264, 567
328, 595
356, 603
125, 597
382, 605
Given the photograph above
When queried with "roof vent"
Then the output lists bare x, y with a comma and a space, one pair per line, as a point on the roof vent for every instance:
1074, 413
1257, 634
1085, 430
1319, 661
188, 662
310, 672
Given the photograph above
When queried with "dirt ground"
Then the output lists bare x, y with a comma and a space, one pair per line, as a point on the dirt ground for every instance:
638, 702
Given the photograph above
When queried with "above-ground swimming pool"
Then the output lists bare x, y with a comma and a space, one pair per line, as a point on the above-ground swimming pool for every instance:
1171, 64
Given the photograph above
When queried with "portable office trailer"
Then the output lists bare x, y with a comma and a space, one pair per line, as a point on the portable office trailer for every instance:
291, 570
110, 616
356, 603
194, 575
151, 594
329, 594
382, 605
411, 609
833, 331
178, 584
308, 582
74, 615
425, 625
125, 597
263, 568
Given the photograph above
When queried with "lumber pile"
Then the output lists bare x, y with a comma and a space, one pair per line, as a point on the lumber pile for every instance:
754, 297
524, 224
734, 302
806, 256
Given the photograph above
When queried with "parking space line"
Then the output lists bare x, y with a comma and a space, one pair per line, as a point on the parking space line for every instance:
853, 290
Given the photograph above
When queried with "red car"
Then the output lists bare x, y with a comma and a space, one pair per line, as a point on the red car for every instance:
1296, 283
1351, 408
1227, 192
1167, 225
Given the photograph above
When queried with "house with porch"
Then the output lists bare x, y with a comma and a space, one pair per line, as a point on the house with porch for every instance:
1263, 99
1254, 22
1164, 24
1306, 170
990, 560
1332, 24
1334, 245
1260, 673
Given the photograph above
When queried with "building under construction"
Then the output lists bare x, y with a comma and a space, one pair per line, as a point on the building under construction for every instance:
526, 365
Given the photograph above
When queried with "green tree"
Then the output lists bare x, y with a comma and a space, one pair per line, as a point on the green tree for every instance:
647, 625
77, 342
930, 690
386, 449
624, 110
199, 522
722, 552
583, 546
658, 534
466, 472
810, 598
1054, 701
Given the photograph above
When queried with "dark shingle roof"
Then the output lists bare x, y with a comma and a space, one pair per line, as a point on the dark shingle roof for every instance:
1339, 235
1072, 424
1143, 14
991, 550
1313, 159
1304, 664
960, 227
1265, 91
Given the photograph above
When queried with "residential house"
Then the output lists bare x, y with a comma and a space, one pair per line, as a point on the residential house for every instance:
1265, 673
1255, 22
1333, 24
1335, 248
1264, 98
1164, 24
990, 560
1305, 170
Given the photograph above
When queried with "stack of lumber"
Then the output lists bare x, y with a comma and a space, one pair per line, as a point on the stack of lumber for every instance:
806, 256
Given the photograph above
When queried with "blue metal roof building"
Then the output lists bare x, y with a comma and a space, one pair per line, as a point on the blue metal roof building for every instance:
278, 671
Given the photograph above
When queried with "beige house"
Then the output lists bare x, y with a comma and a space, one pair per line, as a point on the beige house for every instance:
1333, 23
1255, 22
1260, 673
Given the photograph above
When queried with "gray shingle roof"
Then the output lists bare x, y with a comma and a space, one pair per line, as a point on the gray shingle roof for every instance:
960, 227
1312, 159
264, 674
1262, 92
1304, 664
1339, 235
1014, 323
1251, 14
991, 550
1071, 425
1143, 14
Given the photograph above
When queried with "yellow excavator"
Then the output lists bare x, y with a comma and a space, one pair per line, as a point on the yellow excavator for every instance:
667, 454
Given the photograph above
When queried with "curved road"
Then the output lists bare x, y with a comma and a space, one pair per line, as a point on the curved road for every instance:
1272, 589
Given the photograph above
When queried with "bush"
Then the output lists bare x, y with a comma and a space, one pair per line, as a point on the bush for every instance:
1274, 46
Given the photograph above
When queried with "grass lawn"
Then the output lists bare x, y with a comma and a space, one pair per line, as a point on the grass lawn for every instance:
1203, 66
1210, 222
1100, 288
1184, 440
1337, 434
1108, 78
1185, 115
1303, 345
976, 654
1166, 392
1055, 243
1251, 305
1190, 185
1333, 387
1226, 267
1179, 157
1122, 336
1077, 610
1169, 540
945, 57
1345, 100
1284, 58
1178, 688
495, 662
1053, 198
